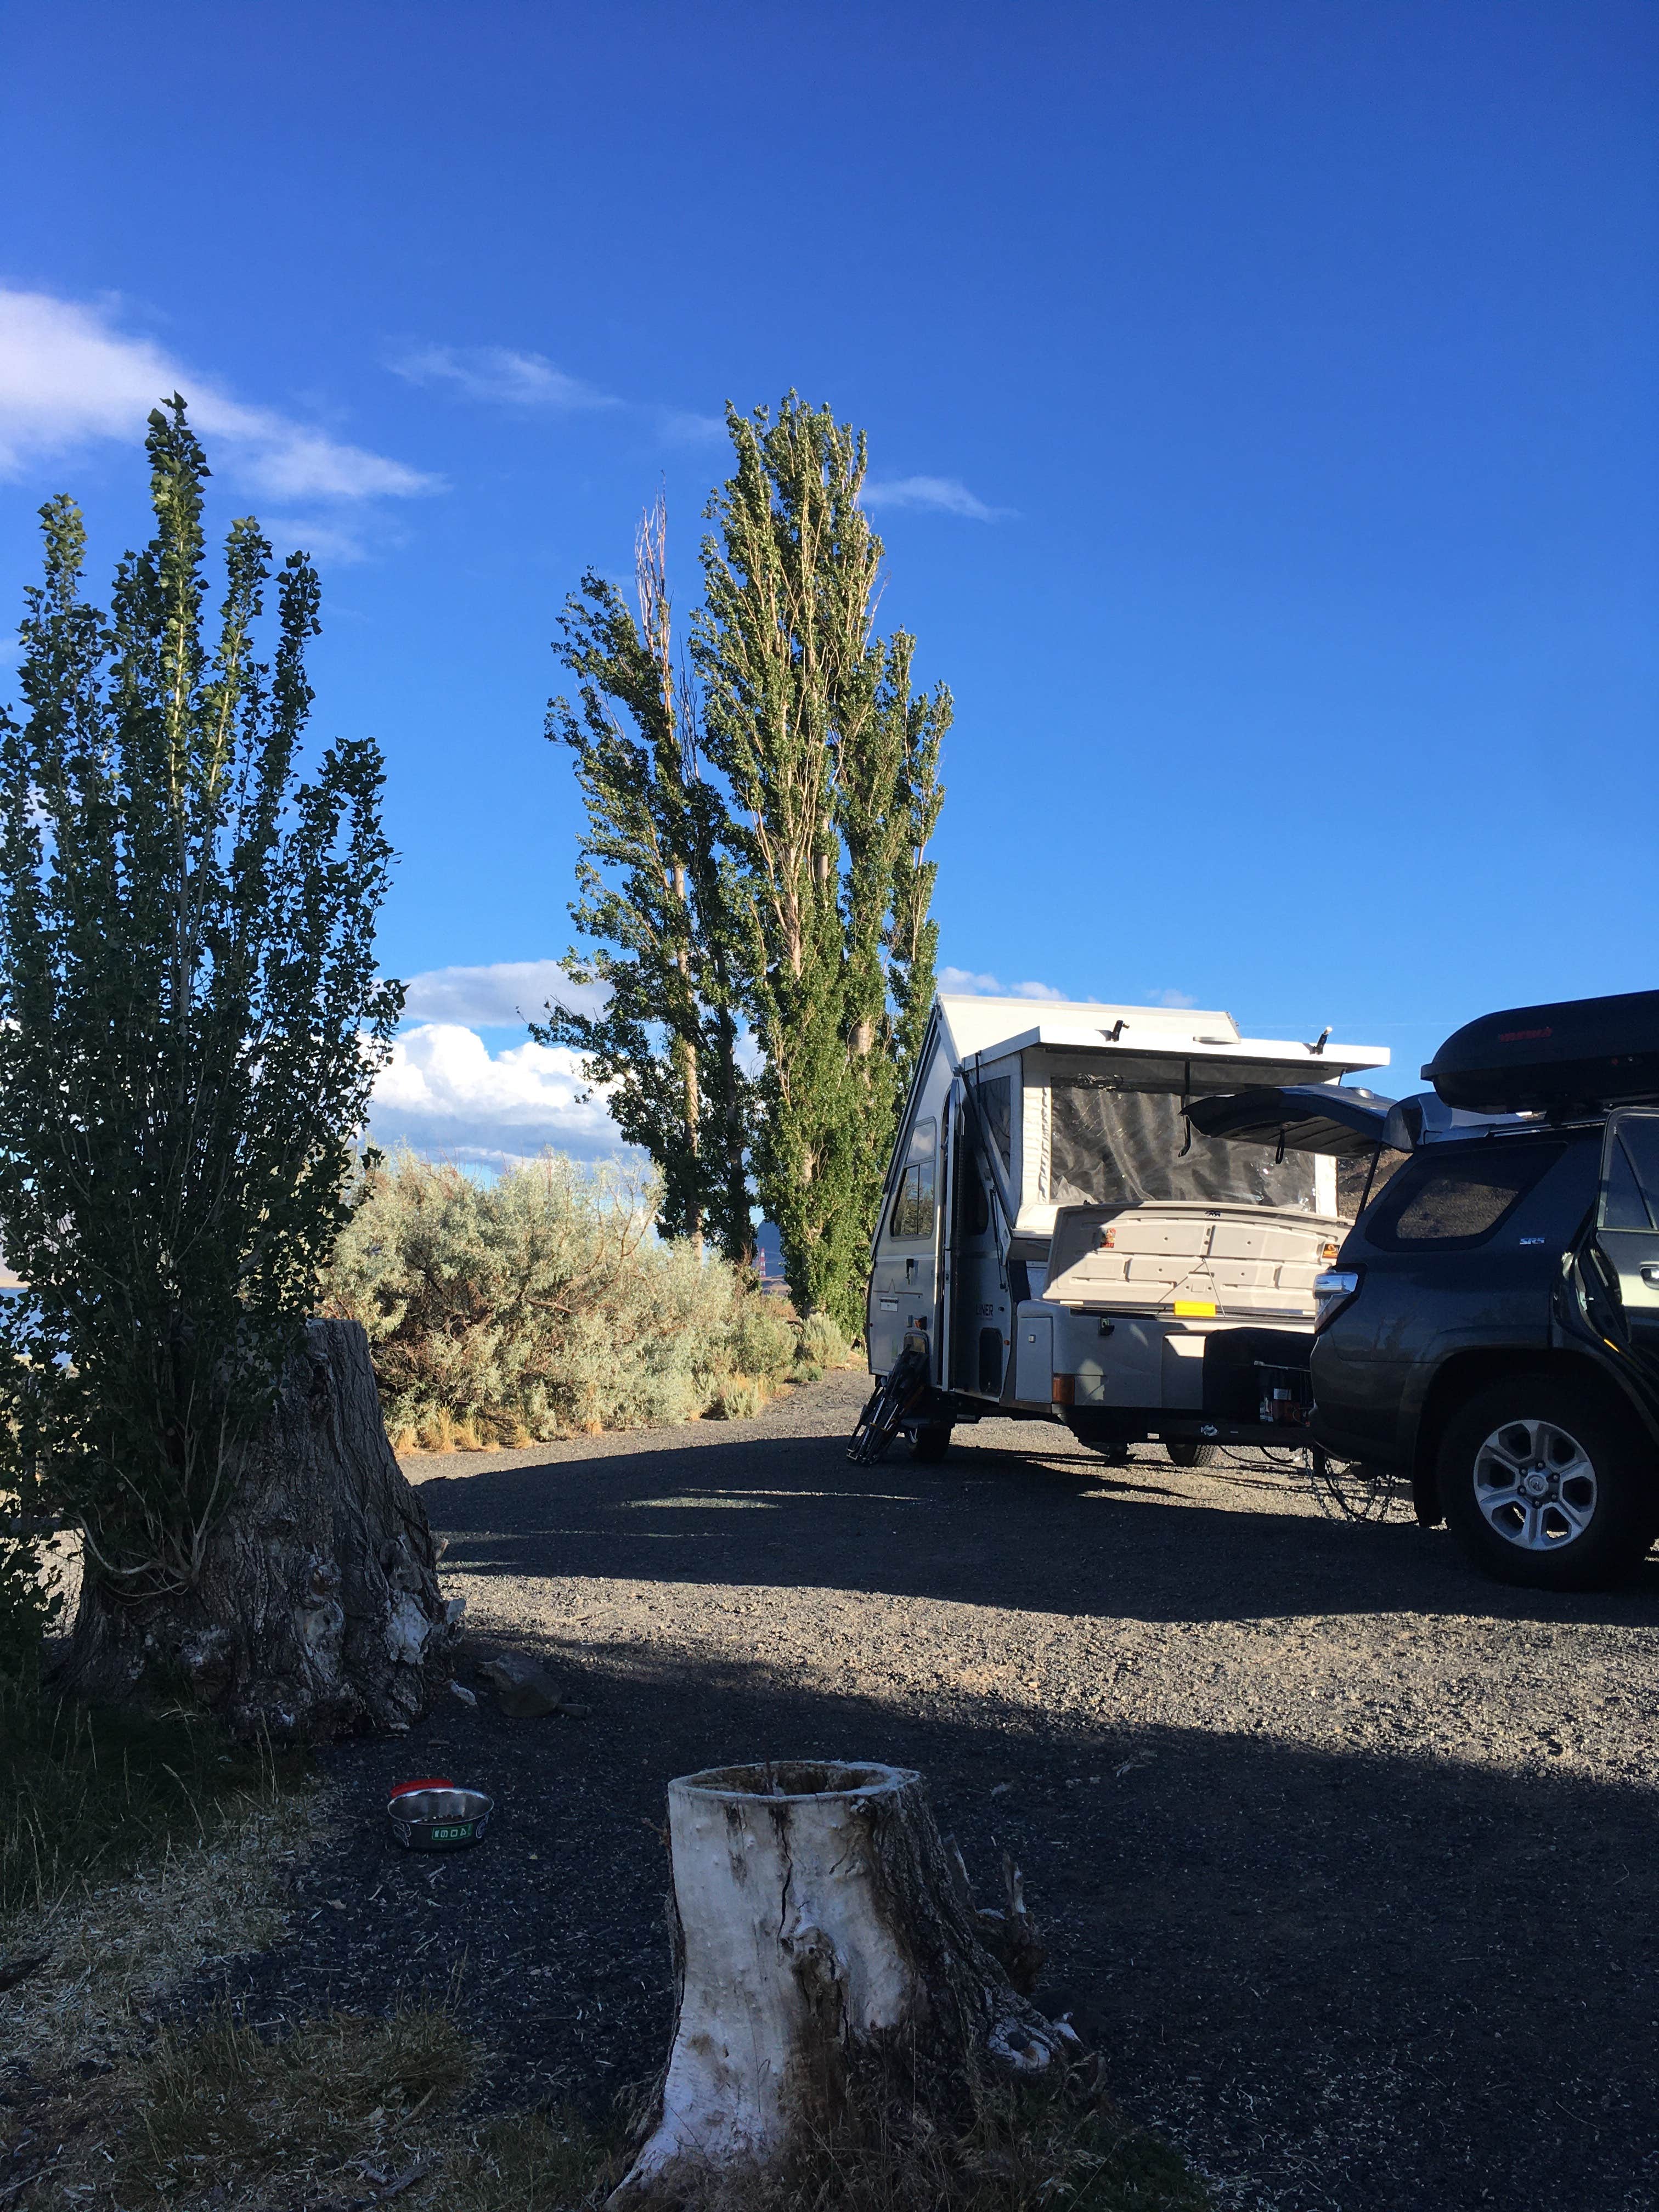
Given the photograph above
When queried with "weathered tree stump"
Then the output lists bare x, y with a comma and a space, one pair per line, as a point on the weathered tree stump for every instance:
316, 1612
826, 1945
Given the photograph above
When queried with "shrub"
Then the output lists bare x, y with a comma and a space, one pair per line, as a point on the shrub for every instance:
542, 1304
29, 1603
822, 1344
740, 1398
31, 1597
762, 1339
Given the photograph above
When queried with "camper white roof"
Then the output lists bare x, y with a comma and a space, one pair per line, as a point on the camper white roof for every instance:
988, 1028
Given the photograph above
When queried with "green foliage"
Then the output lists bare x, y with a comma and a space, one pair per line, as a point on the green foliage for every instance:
794, 892
822, 1344
763, 1340
832, 768
542, 1304
656, 899
190, 1019
31, 1599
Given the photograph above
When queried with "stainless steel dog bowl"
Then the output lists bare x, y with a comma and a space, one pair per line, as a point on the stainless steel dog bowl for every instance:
439, 1819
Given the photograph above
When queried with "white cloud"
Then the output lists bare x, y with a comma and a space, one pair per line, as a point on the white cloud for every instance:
500, 374
943, 495
962, 980
443, 1091
681, 425
67, 375
330, 541
502, 995
1170, 998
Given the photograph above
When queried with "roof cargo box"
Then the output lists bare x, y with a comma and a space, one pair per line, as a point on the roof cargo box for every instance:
1578, 1055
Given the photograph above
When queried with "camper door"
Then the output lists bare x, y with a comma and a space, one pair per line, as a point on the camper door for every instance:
904, 1290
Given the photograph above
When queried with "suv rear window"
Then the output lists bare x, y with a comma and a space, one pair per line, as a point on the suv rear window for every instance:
1457, 1198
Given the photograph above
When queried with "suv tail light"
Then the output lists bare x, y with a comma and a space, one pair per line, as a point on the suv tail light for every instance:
1336, 1288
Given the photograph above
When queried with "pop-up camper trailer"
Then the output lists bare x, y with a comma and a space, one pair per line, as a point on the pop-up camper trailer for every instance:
1057, 1241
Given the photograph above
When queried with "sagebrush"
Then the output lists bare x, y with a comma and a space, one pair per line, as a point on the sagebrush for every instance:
545, 1303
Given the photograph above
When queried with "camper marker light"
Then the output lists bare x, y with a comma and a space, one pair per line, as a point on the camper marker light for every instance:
1195, 1309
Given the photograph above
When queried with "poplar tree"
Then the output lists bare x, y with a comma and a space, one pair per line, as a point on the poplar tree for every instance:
656, 897
190, 1024
832, 767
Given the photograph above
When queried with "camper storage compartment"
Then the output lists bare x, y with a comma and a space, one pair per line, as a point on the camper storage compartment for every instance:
1258, 1374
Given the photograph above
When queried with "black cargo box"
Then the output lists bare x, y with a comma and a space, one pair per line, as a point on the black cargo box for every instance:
1578, 1055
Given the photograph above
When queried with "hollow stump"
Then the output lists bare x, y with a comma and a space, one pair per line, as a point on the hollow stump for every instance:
316, 1612
826, 1942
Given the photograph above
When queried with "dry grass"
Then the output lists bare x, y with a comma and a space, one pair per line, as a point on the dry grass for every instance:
741, 1397
340, 2110
343, 2110
112, 1951
1059, 2154
133, 1849
232, 2109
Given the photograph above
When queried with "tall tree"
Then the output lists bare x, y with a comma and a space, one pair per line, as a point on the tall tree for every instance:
190, 1024
832, 767
656, 898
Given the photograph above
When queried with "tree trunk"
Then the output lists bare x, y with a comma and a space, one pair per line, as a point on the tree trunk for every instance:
317, 1612
826, 1942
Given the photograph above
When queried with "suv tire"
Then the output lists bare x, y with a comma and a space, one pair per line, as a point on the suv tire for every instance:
1545, 1485
1186, 1451
928, 1446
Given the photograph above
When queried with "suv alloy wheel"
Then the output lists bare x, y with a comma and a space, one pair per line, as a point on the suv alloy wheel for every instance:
1545, 1485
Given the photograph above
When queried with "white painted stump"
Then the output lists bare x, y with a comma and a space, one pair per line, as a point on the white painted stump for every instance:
821, 1926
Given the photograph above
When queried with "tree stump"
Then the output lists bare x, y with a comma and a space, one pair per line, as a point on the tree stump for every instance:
316, 1612
826, 1944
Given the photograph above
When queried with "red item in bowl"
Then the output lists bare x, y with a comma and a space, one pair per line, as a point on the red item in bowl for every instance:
431, 1782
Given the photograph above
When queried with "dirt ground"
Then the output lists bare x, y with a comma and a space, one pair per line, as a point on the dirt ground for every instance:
1347, 1858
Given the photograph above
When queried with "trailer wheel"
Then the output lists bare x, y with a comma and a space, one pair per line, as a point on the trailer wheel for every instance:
928, 1446
1186, 1451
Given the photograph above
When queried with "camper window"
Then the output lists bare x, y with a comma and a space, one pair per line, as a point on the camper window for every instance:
913, 1205
993, 1105
1632, 1200
1118, 1146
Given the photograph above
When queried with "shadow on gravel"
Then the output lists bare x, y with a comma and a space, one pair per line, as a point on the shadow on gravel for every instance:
1060, 1534
1368, 1983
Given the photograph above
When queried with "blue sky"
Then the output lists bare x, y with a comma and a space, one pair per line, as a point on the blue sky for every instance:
1261, 414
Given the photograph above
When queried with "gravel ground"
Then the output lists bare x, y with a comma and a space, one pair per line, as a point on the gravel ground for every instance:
1346, 1858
